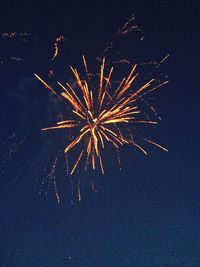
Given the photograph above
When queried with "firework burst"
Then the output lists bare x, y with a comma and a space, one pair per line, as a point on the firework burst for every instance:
99, 115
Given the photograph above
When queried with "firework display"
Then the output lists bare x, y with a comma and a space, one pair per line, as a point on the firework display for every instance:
100, 113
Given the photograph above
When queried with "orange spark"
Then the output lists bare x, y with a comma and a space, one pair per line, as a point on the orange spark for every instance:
58, 39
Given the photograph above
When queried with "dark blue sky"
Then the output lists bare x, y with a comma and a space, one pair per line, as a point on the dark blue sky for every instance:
148, 214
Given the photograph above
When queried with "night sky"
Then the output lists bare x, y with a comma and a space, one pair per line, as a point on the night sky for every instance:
148, 213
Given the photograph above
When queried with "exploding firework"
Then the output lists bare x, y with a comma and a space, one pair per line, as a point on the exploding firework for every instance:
102, 113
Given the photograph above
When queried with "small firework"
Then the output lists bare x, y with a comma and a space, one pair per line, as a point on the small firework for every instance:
99, 115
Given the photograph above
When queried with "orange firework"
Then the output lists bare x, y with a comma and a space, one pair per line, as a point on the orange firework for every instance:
99, 115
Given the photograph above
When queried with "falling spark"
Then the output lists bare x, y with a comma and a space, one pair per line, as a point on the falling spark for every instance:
16, 59
22, 36
58, 39
9, 34
52, 176
50, 74
129, 26
155, 144
45, 84
100, 115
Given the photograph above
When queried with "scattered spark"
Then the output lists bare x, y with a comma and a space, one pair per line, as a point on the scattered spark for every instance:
50, 74
156, 63
122, 61
52, 176
45, 84
79, 189
112, 47
155, 144
108, 47
93, 186
9, 34
16, 59
22, 36
129, 26
59, 39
